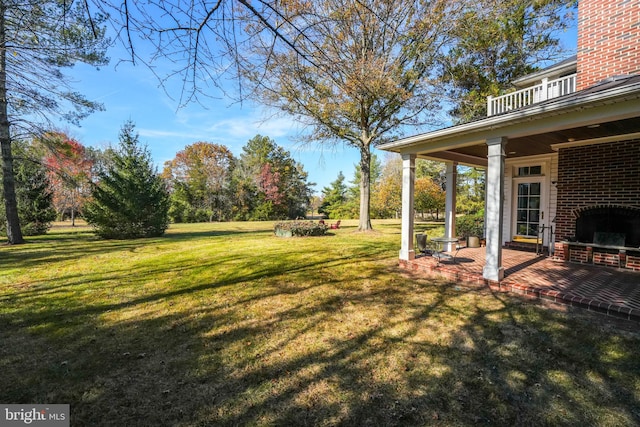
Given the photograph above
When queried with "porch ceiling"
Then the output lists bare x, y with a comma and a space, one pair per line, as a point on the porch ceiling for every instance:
537, 144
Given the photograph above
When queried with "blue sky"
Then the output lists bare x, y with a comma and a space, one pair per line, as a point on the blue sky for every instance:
133, 92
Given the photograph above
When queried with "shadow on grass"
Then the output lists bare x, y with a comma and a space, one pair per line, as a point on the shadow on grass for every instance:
257, 266
65, 246
337, 338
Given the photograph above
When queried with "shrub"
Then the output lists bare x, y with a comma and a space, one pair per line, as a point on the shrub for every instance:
299, 228
470, 225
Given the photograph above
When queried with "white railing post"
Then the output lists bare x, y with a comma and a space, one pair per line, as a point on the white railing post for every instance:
544, 95
489, 106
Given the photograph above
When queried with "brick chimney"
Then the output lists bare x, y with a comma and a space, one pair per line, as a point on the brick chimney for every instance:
608, 40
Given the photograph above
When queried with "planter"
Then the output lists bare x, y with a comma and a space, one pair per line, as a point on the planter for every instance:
473, 242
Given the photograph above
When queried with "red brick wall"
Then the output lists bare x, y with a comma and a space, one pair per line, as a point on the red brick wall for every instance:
602, 174
608, 40
633, 262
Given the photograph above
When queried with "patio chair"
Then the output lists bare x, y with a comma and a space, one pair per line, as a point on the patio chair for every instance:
421, 242
335, 226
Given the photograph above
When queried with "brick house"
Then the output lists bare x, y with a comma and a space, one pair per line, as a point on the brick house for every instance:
561, 153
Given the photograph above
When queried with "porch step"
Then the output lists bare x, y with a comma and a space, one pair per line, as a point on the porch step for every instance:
524, 246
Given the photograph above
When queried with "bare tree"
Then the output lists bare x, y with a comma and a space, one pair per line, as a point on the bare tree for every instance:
355, 73
195, 43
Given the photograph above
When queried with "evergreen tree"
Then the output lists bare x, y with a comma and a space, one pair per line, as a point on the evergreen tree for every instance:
269, 184
33, 195
497, 42
432, 169
130, 199
334, 198
471, 190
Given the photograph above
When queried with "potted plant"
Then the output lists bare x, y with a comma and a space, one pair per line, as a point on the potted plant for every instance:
471, 227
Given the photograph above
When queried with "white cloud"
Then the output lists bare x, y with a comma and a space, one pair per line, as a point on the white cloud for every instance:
248, 125
158, 133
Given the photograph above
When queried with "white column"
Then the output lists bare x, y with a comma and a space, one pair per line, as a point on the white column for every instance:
450, 204
484, 219
407, 251
493, 269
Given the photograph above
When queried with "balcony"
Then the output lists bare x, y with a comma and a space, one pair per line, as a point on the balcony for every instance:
541, 92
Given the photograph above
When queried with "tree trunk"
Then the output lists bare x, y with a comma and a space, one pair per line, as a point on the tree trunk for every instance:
365, 188
14, 233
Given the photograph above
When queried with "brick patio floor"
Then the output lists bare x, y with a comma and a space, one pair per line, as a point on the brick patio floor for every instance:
611, 291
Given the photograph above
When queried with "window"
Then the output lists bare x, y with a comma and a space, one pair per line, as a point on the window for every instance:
530, 170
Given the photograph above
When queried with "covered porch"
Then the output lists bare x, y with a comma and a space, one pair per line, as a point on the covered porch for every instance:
610, 291
565, 149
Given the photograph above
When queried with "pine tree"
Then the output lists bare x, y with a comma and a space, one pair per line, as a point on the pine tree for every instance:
130, 199
334, 198
38, 40
33, 195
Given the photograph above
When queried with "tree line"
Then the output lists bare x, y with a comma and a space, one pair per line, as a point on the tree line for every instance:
207, 183
340, 199
118, 187
119, 191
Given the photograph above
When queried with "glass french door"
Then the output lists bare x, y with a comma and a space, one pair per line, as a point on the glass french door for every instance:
528, 209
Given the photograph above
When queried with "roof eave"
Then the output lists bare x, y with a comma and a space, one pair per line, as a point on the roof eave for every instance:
557, 106
569, 65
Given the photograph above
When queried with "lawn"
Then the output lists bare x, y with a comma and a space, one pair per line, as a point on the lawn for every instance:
226, 324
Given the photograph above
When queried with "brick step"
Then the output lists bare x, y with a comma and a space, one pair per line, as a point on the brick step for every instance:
524, 246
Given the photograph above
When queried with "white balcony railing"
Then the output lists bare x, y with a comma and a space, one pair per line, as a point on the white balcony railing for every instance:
546, 90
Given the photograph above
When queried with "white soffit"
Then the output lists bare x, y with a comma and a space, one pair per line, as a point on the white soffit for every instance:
595, 141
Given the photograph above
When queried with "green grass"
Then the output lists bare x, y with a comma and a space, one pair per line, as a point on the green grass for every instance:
226, 324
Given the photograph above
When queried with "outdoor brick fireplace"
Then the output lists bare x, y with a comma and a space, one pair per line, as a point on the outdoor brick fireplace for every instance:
608, 225
598, 215
606, 235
